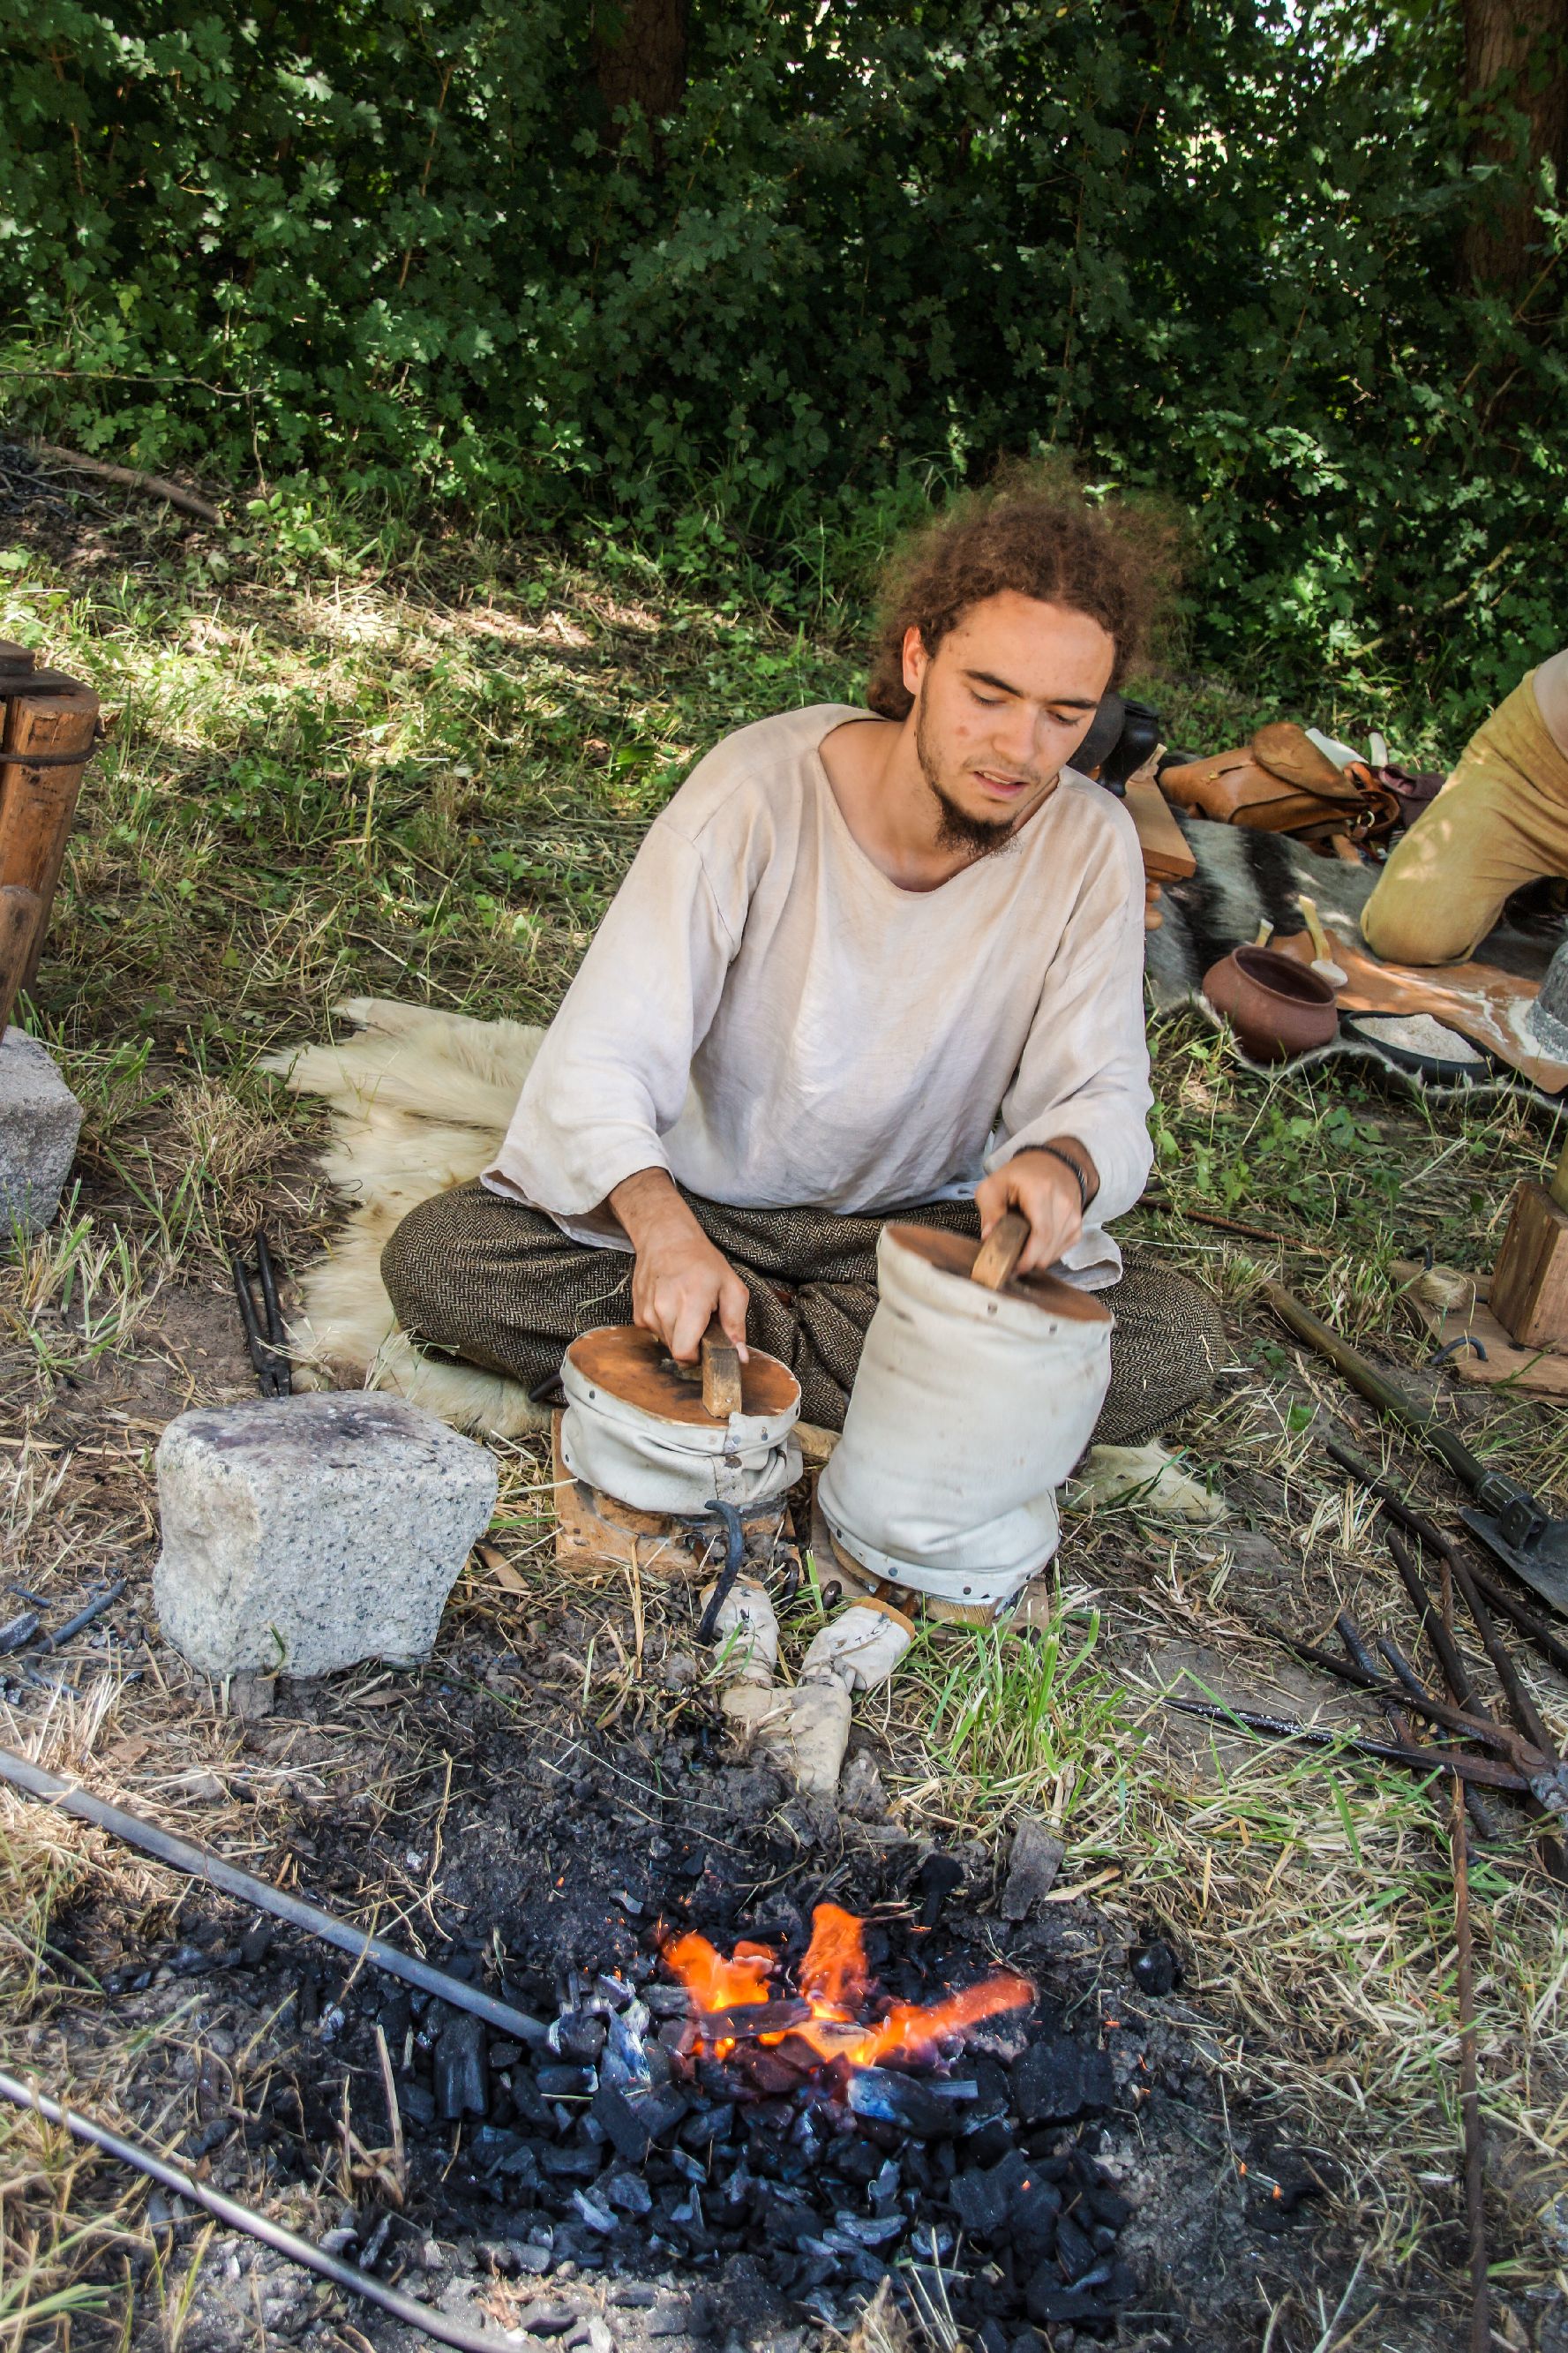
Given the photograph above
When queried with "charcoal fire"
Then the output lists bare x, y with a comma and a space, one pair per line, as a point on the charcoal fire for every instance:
790, 2121
826, 2020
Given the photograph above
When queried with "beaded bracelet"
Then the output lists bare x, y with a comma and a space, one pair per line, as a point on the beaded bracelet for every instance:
1085, 1191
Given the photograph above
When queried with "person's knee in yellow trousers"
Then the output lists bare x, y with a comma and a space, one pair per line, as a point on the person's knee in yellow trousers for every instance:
1501, 821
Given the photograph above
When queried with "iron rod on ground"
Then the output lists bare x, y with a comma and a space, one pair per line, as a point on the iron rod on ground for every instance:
1469, 2084
1524, 1620
199, 1862
244, 2218
1488, 1770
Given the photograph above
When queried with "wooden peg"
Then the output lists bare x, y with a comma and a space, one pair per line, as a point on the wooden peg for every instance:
720, 1373
1000, 1251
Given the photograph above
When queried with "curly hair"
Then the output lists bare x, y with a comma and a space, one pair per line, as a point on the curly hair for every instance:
1036, 537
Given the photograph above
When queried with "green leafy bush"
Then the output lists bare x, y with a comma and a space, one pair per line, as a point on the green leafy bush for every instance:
1210, 252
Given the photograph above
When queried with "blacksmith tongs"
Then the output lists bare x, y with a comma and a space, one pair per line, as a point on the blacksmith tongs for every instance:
270, 1347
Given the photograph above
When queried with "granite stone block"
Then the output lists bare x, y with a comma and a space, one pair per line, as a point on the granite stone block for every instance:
303, 1534
40, 1120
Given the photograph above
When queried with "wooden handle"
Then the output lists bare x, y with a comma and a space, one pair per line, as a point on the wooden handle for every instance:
720, 1373
1000, 1251
1320, 938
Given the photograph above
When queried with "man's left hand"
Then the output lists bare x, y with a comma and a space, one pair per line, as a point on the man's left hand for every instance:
1047, 1194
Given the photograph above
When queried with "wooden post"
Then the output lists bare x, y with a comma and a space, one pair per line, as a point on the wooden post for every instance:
55, 719
1530, 1283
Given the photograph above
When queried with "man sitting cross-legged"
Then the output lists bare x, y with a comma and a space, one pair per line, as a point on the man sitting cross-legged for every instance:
868, 964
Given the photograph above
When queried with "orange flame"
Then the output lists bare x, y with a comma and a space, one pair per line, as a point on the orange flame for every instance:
717, 1983
834, 1978
833, 1974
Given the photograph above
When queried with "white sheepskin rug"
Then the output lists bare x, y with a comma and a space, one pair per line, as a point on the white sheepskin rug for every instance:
419, 1102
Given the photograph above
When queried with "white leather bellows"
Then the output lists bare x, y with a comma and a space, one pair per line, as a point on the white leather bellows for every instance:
970, 1409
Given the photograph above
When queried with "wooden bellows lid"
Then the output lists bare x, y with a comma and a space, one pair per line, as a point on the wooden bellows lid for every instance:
956, 1255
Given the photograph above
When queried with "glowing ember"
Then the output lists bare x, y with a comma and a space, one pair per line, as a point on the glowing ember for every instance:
835, 1982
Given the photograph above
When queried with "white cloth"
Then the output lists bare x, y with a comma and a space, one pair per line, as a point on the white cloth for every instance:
765, 1014
861, 1647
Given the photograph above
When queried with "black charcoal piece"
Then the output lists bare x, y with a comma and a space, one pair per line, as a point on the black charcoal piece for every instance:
528, 2102
503, 2054
1057, 2079
990, 2079
890, 2099
627, 2192
1049, 2302
1032, 2222
989, 2143
1074, 2249
870, 2229
856, 2160
1155, 1968
981, 2199
668, 2000
496, 2148
637, 2294
991, 2338
939, 1875
462, 2075
417, 2103
1107, 2206
597, 2217
662, 2111
885, 2188
579, 2036
571, 2164
625, 2128
563, 2082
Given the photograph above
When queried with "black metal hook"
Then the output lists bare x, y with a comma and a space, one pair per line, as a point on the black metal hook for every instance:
1465, 1340
734, 1554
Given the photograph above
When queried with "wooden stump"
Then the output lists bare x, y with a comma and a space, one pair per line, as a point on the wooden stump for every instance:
49, 725
1530, 1282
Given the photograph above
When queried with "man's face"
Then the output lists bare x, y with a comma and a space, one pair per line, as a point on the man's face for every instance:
1004, 700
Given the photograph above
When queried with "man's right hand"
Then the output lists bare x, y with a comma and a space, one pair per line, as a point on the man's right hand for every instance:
679, 1281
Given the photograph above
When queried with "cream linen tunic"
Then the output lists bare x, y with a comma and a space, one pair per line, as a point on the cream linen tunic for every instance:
764, 1014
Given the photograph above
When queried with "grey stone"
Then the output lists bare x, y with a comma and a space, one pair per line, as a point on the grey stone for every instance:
40, 1120
860, 1790
1033, 1862
305, 1534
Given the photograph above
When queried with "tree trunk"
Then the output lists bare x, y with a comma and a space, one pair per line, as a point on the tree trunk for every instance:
639, 55
1515, 63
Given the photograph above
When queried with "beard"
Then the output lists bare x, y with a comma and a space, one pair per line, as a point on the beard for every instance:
959, 829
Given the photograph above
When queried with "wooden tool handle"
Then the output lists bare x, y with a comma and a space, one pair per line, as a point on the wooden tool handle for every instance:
720, 1373
1000, 1251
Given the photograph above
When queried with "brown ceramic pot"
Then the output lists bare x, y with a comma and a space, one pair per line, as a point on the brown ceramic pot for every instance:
1277, 1008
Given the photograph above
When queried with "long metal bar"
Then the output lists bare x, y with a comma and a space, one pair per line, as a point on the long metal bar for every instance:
1469, 2084
1382, 1393
1551, 1646
200, 1863
244, 2218
1487, 1771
